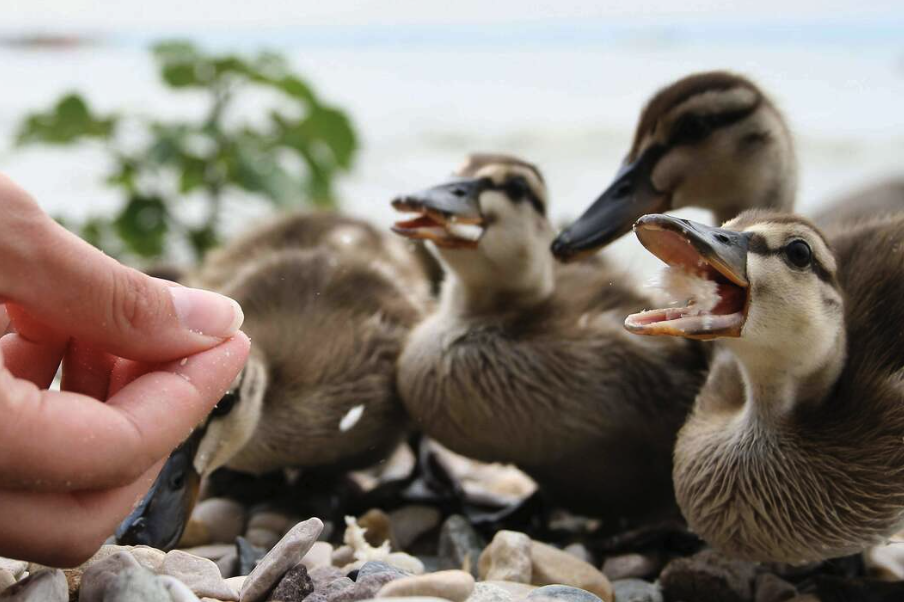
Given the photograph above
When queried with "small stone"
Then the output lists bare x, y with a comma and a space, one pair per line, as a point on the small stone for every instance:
99, 574
487, 592
229, 564
331, 591
636, 590
708, 577
565, 593
375, 567
452, 585
770, 588
295, 586
213, 551
236, 582
6, 579
248, 555
407, 599
579, 551
518, 590
178, 591
507, 558
377, 525
320, 554
322, 576
285, 554
460, 545
16, 567
272, 521
223, 518
343, 555
149, 558
632, 566
196, 534
46, 585
365, 587
262, 538
410, 523
552, 566
200, 575
136, 585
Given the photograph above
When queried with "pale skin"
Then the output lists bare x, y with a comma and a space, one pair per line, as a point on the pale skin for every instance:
143, 362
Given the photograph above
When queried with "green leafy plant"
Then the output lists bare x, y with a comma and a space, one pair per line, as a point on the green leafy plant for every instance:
291, 152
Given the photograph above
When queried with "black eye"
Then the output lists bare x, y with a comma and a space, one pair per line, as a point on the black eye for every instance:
798, 253
690, 129
516, 188
226, 402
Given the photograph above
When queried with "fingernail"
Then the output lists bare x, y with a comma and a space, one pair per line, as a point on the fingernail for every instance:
206, 312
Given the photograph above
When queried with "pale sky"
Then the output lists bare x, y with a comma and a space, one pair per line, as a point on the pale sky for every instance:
146, 15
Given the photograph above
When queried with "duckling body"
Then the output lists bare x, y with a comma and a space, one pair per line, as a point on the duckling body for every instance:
525, 361
795, 449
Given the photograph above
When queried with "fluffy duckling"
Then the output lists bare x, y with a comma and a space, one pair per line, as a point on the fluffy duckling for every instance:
794, 451
526, 361
328, 303
712, 140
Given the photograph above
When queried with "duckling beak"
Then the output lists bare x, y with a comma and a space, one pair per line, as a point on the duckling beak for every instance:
448, 215
161, 516
630, 196
715, 257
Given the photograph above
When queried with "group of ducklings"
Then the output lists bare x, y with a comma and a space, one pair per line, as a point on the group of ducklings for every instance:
783, 441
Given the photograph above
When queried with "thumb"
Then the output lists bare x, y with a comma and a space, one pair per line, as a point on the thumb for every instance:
75, 289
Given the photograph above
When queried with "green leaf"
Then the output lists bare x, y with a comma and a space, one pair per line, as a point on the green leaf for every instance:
142, 225
68, 121
202, 240
194, 170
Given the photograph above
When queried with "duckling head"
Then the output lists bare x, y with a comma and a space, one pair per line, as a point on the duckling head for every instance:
772, 293
160, 518
488, 225
710, 140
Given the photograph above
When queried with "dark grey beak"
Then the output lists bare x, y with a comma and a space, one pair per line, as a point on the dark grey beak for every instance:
160, 518
457, 199
612, 214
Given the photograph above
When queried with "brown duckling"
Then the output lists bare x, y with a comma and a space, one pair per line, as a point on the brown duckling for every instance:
794, 451
526, 361
328, 303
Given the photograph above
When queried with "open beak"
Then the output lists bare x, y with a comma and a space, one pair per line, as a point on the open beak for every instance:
160, 518
629, 197
448, 215
717, 258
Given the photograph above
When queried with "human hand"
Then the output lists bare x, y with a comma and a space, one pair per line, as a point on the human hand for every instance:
144, 361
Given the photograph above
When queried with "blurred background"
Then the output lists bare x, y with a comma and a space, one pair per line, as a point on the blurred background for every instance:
164, 151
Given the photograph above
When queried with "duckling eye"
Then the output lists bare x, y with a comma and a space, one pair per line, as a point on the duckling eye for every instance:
691, 128
226, 403
798, 253
516, 188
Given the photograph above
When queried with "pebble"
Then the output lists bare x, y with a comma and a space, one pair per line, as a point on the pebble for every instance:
343, 555
636, 590
322, 576
229, 564
213, 551
365, 587
16, 567
552, 566
374, 567
149, 558
99, 574
518, 590
770, 588
236, 582
407, 599
488, 592
579, 551
632, 566
136, 585
452, 585
331, 591
262, 538
178, 591
320, 554
507, 558
285, 554
460, 545
377, 525
295, 586
248, 555
275, 522
196, 534
708, 576
410, 523
201, 575
6, 579
882, 562
46, 585
563, 593
223, 518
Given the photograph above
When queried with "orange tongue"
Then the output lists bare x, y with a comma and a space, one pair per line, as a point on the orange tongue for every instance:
422, 221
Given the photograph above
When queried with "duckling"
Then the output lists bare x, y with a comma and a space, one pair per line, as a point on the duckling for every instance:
525, 360
712, 140
327, 325
794, 451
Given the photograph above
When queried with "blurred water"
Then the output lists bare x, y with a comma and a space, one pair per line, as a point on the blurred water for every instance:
569, 106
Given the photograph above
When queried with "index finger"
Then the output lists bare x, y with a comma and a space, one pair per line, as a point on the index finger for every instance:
61, 441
